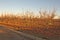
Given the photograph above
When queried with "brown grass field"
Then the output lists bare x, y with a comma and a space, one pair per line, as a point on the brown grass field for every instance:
48, 28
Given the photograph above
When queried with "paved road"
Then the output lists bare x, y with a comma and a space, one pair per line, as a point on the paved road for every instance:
6, 34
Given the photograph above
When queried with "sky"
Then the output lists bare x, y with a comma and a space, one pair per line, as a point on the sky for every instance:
24, 5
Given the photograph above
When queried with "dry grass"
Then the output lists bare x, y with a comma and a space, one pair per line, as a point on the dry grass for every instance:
44, 25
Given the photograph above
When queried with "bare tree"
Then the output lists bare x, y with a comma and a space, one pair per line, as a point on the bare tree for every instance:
53, 14
43, 14
40, 14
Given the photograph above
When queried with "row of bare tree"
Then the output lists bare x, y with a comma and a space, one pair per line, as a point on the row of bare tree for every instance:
28, 19
28, 14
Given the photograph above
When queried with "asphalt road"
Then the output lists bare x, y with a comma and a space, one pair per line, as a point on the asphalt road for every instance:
6, 34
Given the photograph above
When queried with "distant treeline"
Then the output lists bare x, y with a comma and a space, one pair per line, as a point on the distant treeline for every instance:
29, 14
29, 20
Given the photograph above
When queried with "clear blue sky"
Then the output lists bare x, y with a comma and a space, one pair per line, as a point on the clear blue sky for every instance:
29, 4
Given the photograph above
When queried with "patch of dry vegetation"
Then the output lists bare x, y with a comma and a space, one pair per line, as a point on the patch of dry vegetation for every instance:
43, 24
